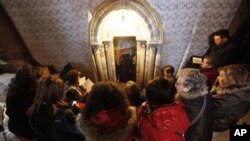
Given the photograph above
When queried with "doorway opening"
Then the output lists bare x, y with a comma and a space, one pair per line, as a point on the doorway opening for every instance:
126, 30
125, 58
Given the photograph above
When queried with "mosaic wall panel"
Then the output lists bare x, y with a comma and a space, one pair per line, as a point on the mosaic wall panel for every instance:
56, 31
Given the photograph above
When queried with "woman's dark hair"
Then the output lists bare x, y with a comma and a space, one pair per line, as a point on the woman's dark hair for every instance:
133, 93
159, 91
66, 69
73, 76
23, 80
50, 90
211, 39
168, 68
235, 74
223, 33
104, 96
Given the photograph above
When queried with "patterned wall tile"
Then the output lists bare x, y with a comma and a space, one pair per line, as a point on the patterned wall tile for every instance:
56, 31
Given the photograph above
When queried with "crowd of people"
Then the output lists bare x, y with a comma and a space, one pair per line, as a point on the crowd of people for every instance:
189, 106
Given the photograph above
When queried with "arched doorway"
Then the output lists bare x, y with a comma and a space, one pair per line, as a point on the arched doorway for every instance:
125, 19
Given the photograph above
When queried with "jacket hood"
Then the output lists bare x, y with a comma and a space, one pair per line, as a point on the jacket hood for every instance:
93, 132
229, 89
192, 94
171, 117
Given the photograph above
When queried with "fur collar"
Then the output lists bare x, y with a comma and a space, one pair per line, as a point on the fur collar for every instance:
192, 94
222, 90
92, 134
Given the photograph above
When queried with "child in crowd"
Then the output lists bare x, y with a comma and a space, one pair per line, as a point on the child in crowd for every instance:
167, 72
133, 93
231, 94
160, 118
107, 116
207, 68
50, 116
192, 91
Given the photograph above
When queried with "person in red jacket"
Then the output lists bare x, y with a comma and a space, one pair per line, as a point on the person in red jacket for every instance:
160, 118
207, 68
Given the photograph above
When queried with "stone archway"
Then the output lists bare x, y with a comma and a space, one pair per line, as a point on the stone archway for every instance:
147, 29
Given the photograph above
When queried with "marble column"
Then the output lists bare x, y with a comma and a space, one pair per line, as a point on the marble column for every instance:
140, 67
110, 59
99, 57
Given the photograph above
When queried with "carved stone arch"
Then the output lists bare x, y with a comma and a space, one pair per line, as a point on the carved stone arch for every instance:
147, 50
142, 7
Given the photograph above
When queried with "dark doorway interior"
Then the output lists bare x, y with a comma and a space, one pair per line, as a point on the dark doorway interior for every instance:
125, 58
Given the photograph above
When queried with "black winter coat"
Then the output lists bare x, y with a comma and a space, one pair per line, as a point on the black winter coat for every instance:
60, 127
231, 103
201, 130
222, 53
17, 103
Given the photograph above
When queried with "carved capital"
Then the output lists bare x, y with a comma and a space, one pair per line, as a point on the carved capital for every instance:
95, 47
142, 44
106, 44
